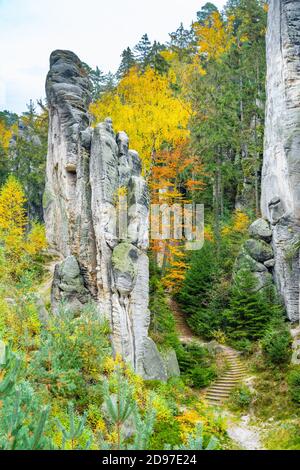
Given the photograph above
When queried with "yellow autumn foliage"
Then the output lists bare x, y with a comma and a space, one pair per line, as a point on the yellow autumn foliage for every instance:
215, 37
18, 246
145, 107
5, 135
239, 224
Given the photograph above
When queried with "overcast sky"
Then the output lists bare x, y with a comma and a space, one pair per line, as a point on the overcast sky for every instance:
96, 30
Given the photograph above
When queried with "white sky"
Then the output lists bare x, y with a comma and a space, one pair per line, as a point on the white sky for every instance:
96, 30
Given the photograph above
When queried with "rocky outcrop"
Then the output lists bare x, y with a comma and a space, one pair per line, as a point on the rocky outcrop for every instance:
103, 244
257, 255
281, 167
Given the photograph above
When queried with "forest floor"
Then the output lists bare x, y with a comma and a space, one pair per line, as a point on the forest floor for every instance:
242, 432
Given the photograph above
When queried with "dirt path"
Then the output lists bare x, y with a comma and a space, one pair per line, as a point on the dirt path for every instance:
245, 435
185, 333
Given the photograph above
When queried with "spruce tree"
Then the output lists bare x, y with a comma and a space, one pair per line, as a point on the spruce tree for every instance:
143, 51
182, 42
198, 282
250, 310
156, 60
127, 62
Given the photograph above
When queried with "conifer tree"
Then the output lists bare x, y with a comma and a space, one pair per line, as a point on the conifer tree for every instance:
156, 60
127, 62
205, 12
182, 42
142, 52
250, 310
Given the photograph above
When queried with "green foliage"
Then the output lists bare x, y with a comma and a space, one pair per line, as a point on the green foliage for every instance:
26, 158
206, 11
23, 420
199, 279
74, 431
196, 442
241, 397
127, 62
162, 327
276, 343
205, 292
71, 355
120, 408
250, 311
196, 365
244, 345
166, 434
294, 384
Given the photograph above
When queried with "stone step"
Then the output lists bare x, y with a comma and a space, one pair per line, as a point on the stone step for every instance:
234, 372
218, 393
233, 377
222, 387
217, 397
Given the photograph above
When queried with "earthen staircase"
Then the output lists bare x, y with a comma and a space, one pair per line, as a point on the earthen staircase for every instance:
219, 391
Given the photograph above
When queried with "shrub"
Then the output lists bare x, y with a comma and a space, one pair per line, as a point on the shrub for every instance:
241, 397
276, 343
244, 345
201, 377
71, 355
196, 365
294, 385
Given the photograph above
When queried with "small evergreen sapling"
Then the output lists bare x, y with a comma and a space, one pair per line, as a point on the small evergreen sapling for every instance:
74, 431
19, 429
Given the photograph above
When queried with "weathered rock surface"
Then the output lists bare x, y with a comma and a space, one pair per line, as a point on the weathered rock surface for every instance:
258, 250
256, 255
281, 167
261, 229
171, 363
68, 287
105, 258
295, 333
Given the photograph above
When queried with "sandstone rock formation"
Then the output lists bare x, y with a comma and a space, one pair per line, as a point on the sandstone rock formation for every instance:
256, 254
104, 261
281, 168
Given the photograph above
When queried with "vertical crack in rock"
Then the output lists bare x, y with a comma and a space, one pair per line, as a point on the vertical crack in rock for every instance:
87, 169
281, 167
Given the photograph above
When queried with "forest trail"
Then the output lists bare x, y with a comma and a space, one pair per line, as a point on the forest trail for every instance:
244, 434
185, 333
221, 389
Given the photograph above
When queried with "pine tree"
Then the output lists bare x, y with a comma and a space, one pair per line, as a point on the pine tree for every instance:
127, 62
74, 431
120, 406
23, 421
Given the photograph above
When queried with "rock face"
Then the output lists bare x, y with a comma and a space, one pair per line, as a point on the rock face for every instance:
281, 167
257, 255
105, 258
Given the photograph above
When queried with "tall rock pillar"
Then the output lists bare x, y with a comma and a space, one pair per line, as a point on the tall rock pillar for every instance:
280, 201
87, 169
